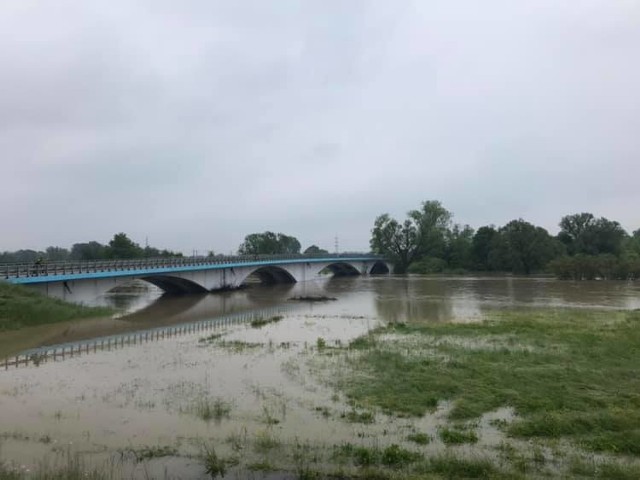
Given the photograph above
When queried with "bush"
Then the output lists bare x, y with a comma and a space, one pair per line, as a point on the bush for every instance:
428, 265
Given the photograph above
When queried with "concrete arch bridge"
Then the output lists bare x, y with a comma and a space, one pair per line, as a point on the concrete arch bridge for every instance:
78, 282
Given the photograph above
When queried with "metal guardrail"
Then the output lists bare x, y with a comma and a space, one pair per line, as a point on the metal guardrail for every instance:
35, 269
39, 355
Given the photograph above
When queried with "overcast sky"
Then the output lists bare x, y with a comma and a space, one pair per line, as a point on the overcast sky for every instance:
194, 123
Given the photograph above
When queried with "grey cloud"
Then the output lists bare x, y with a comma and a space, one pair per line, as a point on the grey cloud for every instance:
195, 123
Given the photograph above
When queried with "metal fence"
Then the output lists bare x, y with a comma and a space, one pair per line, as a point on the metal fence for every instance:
37, 356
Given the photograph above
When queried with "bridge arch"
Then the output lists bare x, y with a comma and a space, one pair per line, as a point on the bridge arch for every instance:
342, 269
379, 268
270, 275
174, 285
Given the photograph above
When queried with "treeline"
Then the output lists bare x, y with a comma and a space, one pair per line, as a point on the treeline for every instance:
270, 243
120, 247
586, 247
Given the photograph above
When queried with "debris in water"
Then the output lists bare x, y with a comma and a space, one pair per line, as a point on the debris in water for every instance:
312, 298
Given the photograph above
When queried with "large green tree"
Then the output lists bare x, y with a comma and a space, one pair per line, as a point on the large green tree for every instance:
459, 247
586, 234
315, 250
523, 248
122, 247
482, 244
88, 251
421, 234
269, 243
634, 242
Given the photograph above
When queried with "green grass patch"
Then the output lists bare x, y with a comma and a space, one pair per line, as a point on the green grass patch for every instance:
22, 307
393, 456
568, 373
419, 438
456, 436
354, 416
452, 467
616, 471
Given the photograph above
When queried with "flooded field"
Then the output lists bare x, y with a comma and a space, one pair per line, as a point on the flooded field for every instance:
243, 383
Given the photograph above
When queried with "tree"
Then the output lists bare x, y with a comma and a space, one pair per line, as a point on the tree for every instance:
421, 234
574, 232
150, 252
583, 233
524, 248
459, 247
21, 256
88, 251
57, 254
269, 243
315, 250
481, 246
634, 243
432, 222
398, 242
122, 247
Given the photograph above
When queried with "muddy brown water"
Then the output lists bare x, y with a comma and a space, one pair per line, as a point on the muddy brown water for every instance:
111, 402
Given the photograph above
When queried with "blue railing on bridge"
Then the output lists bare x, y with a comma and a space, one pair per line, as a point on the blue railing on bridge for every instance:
48, 269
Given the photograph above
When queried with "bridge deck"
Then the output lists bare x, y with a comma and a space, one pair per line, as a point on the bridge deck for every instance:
65, 271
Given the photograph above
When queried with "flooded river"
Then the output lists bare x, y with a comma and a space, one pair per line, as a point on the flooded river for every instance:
238, 379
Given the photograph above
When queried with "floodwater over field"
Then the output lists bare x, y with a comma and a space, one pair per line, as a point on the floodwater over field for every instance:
237, 373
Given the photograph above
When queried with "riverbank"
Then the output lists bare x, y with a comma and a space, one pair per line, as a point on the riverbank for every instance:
561, 384
22, 307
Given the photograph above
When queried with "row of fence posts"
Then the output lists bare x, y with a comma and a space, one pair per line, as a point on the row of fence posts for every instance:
62, 352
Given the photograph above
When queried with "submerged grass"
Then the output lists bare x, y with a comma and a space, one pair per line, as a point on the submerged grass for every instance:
211, 409
261, 322
210, 338
451, 467
66, 467
354, 416
419, 438
567, 373
238, 346
22, 307
393, 456
214, 465
457, 436
141, 454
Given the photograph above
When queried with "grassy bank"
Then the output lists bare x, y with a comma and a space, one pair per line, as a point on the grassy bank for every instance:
22, 307
567, 374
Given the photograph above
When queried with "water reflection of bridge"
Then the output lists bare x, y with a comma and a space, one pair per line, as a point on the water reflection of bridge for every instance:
65, 351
